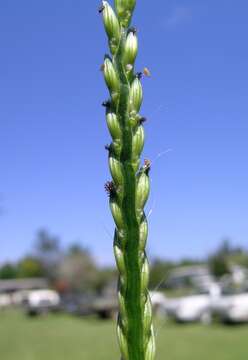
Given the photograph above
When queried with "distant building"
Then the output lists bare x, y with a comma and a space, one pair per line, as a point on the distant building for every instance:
14, 285
15, 291
196, 275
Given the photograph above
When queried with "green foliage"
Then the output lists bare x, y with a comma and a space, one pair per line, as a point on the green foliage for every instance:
239, 258
219, 265
8, 271
225, 256
30, 267
27, 267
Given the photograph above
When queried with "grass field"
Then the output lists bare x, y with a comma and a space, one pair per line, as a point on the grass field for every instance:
60, 337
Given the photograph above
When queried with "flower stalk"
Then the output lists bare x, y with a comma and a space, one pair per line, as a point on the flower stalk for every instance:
129, 189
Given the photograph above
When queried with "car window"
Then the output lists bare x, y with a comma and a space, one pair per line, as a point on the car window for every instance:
234, 291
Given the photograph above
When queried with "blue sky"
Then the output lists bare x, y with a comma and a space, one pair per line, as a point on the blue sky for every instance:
53, 132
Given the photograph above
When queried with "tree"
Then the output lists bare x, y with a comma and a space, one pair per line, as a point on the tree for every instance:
225, 248
218, 265
30, 267
48, 252
219, 261
47, 246
8, 271
78, 270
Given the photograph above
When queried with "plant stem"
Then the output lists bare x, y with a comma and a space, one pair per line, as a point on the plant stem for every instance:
130, 186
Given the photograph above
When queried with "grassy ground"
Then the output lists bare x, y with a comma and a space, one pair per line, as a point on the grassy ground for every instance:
60, 337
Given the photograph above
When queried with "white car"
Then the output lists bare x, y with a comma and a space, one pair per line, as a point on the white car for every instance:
195, 307
5, 301
19, 297
158, 301
42, 301
232, 306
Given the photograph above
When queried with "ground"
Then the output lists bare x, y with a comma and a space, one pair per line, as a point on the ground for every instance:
61, 337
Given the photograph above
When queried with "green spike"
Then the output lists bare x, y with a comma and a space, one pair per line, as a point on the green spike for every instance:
129, 189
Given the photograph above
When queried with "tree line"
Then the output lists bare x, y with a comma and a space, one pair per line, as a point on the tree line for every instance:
74, 269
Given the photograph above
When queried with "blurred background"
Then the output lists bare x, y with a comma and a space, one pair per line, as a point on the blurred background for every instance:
57, 272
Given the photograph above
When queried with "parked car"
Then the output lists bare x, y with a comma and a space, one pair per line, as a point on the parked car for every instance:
105, 307
232, 306
194, 307
41, 301
5, 301
158, 301
78, 304
19, 297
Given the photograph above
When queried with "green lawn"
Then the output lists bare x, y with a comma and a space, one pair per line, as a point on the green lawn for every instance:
60, 337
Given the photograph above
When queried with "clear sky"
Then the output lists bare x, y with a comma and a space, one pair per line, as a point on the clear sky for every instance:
53, 165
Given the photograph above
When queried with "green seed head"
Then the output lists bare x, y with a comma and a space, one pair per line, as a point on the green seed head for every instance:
116, 170
111, 78
142, 192
130, 50
122, 342
112, 26
143, 234
148, 313
119, 259
138, 141
135, 96
123, 312
125, 10
145, 275
150, 347
117, 214
114, 126
129, 189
